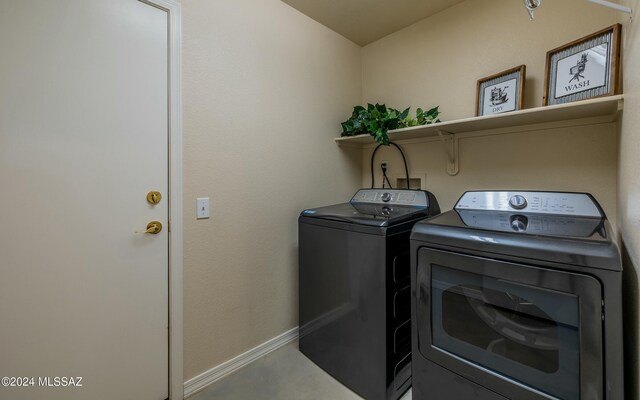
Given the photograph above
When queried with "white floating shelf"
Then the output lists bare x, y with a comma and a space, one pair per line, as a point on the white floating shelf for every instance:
604, 109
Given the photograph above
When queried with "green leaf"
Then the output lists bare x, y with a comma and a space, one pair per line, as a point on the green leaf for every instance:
377, 120
357, 110
433, 113
382, 137
347, 127
392, 123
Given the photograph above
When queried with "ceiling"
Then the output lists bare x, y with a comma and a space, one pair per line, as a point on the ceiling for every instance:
365, 21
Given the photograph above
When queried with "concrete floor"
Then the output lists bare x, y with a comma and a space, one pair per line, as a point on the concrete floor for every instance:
285, 374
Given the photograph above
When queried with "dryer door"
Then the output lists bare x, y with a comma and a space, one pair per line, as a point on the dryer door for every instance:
522, 331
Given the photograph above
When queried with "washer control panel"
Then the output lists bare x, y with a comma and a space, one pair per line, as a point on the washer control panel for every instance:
556, 203
416, 198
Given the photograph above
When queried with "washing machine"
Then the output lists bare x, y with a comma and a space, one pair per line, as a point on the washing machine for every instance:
517, 295
354, 293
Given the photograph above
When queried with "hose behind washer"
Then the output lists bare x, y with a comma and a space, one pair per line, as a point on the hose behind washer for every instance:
406, 168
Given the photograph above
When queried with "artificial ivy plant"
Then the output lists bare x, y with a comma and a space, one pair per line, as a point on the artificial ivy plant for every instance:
377, 120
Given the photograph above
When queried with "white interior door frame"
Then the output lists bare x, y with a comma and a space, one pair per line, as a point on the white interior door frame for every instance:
176, 379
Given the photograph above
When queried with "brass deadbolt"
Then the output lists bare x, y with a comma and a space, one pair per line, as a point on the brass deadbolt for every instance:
154, 197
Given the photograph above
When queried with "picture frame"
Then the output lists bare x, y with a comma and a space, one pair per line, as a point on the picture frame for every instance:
501, 92
585, 68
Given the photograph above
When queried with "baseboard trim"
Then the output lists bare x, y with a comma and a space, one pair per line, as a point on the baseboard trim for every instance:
196, 384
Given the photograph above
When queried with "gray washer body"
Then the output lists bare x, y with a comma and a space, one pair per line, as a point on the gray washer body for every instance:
354, 293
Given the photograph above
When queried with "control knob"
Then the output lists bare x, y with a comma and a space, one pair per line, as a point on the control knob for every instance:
518, 202
386, 197
519, 223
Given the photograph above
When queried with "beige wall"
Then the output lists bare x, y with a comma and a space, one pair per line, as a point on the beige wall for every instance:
264, 90
629, 193
438, 61
564, 159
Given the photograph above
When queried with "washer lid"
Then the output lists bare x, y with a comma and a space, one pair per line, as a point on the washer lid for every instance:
379, 207
367, 214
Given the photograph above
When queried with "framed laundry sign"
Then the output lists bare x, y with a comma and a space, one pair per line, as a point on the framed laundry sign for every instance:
585, 68
501, 92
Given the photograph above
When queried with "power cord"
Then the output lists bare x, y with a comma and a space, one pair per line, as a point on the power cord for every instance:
384, 176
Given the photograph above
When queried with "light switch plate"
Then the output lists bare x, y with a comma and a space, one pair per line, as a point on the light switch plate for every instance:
202, 207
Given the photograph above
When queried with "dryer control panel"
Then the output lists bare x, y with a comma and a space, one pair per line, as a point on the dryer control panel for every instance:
415, 198
556, 203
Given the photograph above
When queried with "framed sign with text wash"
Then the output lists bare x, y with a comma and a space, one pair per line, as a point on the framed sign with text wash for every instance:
585, 68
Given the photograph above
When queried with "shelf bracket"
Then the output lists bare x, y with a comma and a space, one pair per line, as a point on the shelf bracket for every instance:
450, 142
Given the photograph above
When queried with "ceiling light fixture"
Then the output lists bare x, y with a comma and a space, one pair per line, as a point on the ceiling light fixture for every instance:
531, 6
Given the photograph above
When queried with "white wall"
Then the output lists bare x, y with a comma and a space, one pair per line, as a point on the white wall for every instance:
629, 192
264, 91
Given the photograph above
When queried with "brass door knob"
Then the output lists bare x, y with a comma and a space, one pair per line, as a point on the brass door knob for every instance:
154, 197
153, 228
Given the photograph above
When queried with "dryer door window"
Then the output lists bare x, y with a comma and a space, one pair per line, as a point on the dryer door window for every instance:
520, 328
524, 333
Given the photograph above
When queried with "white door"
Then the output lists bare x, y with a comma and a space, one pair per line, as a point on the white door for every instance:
83, 139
